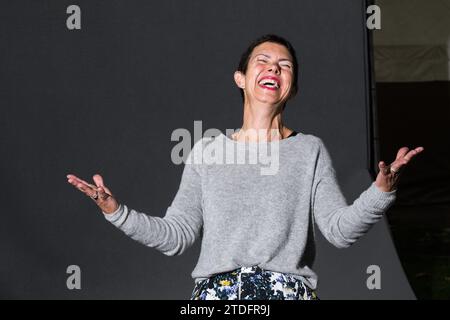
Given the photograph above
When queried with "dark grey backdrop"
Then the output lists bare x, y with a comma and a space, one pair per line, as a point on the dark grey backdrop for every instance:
105, 99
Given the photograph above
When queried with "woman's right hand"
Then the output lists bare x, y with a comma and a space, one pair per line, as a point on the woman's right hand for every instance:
102, 196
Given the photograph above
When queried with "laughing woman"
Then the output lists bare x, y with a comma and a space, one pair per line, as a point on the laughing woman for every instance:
257, 230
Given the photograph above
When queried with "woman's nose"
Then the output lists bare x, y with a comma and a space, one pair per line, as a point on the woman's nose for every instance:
275, 68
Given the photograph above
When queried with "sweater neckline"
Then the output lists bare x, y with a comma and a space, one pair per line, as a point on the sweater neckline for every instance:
287, 140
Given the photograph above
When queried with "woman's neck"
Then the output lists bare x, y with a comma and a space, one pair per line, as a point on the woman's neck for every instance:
262, 122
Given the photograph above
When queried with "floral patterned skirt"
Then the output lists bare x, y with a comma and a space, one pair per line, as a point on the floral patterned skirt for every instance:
252, 283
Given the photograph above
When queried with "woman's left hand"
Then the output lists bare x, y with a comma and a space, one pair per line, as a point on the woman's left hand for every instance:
387, 178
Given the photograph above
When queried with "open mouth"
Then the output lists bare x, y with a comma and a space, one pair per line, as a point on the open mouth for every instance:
269, 83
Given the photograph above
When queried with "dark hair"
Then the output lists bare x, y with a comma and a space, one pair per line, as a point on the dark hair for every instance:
245, 57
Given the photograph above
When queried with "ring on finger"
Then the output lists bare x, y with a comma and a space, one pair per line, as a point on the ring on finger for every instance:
394, 171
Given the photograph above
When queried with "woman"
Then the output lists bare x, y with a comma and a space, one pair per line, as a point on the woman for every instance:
257, 230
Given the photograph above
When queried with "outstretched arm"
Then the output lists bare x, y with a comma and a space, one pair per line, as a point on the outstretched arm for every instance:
179, 228
343, 224
171, 235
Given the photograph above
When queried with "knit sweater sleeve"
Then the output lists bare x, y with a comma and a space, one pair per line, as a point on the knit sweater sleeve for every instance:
340, 223
179, 228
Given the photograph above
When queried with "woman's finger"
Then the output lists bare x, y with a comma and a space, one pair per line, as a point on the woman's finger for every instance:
98, 180
401, 152
87, 183
411, 154
100, 183
383, 167
400, 162
395, 170
102, 194
86, 188
74, 179
90, 192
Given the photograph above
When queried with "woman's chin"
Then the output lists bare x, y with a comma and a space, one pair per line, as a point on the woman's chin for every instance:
270, 97
271, 100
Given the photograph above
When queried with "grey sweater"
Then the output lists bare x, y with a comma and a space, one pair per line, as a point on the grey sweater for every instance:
245, 217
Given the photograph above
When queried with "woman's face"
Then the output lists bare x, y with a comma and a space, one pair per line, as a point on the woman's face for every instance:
269, 75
